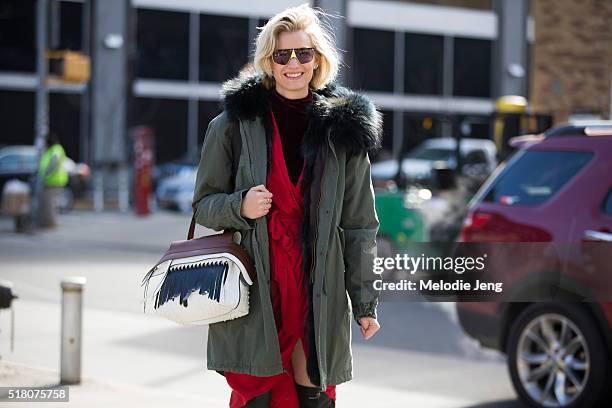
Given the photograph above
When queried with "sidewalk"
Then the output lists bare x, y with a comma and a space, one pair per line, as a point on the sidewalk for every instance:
131, 360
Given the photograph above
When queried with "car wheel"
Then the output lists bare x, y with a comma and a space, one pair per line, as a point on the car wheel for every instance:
556, 357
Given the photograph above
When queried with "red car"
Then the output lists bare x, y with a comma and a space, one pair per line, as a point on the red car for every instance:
557, 188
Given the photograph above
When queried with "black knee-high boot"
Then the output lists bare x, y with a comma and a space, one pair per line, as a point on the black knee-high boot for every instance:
311, 397
260, 401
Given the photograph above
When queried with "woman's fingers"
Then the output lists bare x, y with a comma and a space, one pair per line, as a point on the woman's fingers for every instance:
368, 327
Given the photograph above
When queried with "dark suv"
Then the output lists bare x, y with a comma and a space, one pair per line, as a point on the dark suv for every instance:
557, 188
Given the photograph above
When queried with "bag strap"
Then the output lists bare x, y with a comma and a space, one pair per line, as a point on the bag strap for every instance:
236, 144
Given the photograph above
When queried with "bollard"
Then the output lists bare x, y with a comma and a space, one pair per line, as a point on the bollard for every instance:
72, 307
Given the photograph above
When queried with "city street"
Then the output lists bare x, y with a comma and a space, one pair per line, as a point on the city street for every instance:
420, 358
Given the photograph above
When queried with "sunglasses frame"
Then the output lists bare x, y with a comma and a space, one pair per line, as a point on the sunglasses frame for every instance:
294, 54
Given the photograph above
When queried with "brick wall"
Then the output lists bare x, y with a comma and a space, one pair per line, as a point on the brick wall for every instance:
571, 57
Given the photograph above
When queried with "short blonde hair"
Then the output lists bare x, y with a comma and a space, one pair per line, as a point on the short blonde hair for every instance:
300, 18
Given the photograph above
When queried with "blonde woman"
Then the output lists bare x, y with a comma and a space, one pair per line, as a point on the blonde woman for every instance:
299, 189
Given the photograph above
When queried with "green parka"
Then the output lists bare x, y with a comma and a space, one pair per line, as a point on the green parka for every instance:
338, 231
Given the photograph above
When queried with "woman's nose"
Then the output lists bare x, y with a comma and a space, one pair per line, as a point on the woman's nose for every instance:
293, 62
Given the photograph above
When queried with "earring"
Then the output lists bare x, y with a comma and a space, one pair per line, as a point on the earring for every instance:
316, 66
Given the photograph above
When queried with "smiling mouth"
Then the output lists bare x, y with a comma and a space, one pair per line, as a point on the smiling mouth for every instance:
293, 75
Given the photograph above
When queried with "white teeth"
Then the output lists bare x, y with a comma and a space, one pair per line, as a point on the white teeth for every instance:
294, 75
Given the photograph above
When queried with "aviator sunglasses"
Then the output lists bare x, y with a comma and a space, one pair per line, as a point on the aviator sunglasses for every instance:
283, 56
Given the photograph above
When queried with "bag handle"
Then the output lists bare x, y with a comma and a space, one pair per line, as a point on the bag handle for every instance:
236, 142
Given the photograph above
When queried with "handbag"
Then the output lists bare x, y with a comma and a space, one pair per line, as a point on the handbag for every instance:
201, 281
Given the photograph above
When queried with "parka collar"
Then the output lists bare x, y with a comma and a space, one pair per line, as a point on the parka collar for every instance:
351, 118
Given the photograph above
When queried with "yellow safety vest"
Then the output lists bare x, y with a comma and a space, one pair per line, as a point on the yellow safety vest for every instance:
59, 177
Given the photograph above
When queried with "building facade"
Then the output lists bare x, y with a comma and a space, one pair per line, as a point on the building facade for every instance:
572, 58
429, 65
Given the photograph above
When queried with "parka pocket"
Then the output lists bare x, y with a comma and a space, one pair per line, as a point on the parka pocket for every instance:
341, 235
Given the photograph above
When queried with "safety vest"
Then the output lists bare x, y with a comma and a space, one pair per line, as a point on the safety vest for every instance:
59, 177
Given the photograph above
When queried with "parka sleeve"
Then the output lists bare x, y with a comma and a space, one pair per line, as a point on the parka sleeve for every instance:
216, 205
360, 223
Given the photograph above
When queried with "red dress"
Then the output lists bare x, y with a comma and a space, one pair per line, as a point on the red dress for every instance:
289, 292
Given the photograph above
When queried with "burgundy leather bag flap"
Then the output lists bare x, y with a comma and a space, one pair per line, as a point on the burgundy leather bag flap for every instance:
210, 244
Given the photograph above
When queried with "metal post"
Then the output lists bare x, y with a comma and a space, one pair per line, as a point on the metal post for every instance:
124, 189
85, 102
42, 114
72, 308
98, 189
194, 68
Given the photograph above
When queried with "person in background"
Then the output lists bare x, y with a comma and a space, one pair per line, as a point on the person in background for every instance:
54, 177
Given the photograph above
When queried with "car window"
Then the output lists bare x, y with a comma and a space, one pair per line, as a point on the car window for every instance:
10, 162
535, 176
607, 204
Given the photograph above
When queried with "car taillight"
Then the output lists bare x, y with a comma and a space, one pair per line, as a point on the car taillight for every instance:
473, 221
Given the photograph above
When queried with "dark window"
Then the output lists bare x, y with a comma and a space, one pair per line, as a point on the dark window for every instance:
418, 127
607, 204
472, 68
17, 41
224, 46
64, 119
168, 120
70, 25
17, 117
535, 176
372, 60
163, 44
207, 110
423, 70
386, 152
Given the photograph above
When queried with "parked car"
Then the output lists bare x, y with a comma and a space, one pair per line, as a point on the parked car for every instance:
418, 163
556, 189
19, 162
176, 192
185, 164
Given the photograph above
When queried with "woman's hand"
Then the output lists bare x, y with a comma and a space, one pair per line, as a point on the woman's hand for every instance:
256, 203
368, 326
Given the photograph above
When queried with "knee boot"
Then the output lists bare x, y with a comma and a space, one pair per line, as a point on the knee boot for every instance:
311, 397
260, 401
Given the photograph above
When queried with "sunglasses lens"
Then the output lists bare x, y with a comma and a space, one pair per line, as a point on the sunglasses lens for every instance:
281, 56
304, 55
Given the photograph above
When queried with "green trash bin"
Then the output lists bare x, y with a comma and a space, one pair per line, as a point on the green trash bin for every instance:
399, 220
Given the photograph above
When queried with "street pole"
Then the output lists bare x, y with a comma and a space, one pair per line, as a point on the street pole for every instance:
42, 108
72, 329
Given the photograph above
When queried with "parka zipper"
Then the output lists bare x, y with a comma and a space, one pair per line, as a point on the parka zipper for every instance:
316, 232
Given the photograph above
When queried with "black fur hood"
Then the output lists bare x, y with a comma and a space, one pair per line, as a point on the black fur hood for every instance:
352, 119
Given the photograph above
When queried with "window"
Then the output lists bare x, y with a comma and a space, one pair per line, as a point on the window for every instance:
535, 176
163, 44
423, 70
168, 120
373, 60
607, 204
71, 18
224, 46
11, 163
207, 110
17, 117
17, 42
64, 119
472, 68
418, 127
